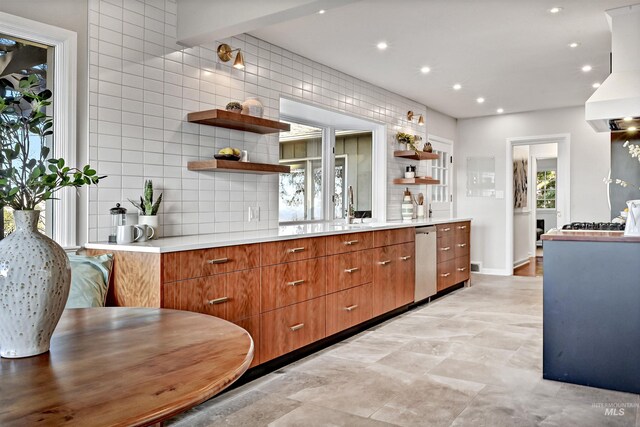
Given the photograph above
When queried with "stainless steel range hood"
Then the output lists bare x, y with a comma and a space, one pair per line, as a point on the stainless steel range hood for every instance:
619, 95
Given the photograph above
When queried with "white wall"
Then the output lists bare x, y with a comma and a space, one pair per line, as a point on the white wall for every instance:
142, 85
486, 136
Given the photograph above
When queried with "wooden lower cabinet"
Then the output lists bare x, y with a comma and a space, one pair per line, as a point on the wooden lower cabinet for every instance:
292, 327
404, 273
383, 280
252, 325
349, 307
454, 241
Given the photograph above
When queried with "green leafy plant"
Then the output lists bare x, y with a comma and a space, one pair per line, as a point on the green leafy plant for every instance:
234, 106
405, 138
27, 179
147, 206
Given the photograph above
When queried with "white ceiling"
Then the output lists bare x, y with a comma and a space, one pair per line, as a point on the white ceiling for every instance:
514, 53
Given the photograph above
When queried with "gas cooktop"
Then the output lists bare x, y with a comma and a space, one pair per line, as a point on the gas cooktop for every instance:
594, 226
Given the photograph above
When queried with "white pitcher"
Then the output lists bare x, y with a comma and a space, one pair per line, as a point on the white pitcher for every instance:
632, 227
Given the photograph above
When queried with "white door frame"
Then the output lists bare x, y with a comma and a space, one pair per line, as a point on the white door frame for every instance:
564, 179
65, 71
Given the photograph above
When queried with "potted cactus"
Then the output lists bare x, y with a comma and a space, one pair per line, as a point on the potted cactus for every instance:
147, 208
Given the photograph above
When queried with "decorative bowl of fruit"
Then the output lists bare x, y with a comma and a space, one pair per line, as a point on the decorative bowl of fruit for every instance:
228, 153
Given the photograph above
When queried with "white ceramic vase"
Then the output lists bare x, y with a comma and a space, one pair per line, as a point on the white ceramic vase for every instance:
35, 276
151, 221
252, 107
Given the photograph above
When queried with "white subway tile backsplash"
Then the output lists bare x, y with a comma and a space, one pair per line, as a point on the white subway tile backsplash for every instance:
142, 85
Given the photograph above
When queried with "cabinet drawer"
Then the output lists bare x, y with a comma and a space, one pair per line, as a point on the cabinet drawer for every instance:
446, 274
384, 267
285, 284
252, 325
393, 237
292, 250
405, 277
232, 296
290, 328
461, 245
207, 262
462, 269
462, 227
349, 242
445, 230
446, 249
348, 270
349, 308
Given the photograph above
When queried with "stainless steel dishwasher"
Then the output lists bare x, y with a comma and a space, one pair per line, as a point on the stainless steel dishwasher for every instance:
426, 274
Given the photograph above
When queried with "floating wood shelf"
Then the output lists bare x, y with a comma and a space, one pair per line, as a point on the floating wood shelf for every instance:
416, 155
237, 121
236, 167
415, 181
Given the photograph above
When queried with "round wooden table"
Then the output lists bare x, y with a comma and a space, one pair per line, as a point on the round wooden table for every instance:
121, 366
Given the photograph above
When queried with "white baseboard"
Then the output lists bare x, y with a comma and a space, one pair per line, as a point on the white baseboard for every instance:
521, 262
496, 272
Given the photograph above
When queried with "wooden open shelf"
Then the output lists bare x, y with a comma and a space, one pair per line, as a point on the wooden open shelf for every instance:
415, 181
419, 155
235, 166
237, 121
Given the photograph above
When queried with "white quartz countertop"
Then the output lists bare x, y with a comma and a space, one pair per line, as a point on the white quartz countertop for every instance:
286, 232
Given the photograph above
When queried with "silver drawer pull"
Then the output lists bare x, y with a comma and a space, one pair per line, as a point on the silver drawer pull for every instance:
295, 283
352, 270
405, 258
296, 250
218, 300
446, 249
385, 262
445, 274
461, 268
351, 307
296, 327
462, 245
350, 242
462, 227
218, 261
446, 229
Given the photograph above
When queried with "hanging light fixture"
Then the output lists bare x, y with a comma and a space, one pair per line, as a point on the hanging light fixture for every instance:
225, 53
410, 116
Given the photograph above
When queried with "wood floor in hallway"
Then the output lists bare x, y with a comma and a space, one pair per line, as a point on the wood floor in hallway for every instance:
534, 268
471, 358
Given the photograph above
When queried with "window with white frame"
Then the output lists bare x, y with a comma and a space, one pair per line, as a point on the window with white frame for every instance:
51, 53
312, 151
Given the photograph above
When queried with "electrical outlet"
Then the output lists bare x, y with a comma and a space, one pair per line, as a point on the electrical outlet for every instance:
253, 214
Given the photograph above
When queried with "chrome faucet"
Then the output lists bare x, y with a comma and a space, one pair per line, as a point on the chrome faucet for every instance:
350, 209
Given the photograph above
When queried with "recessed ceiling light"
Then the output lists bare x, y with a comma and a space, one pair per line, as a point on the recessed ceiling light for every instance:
632, 128
425, 70
499, 111
596, 85
573, 45
480, 100
382, 45
627, 119
555, 10
457, 86
321, 11
587, 68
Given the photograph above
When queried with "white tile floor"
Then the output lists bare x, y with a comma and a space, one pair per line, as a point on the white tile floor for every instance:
472, 358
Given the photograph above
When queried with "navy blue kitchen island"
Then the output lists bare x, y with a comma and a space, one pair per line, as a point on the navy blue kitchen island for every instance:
591, 313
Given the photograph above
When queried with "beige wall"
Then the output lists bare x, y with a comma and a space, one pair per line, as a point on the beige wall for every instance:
71, 15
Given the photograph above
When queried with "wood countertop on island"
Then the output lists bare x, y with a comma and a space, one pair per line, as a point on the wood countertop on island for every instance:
589, 236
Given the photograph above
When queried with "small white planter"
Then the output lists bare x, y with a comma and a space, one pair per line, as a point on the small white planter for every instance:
151, 221
35, 276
